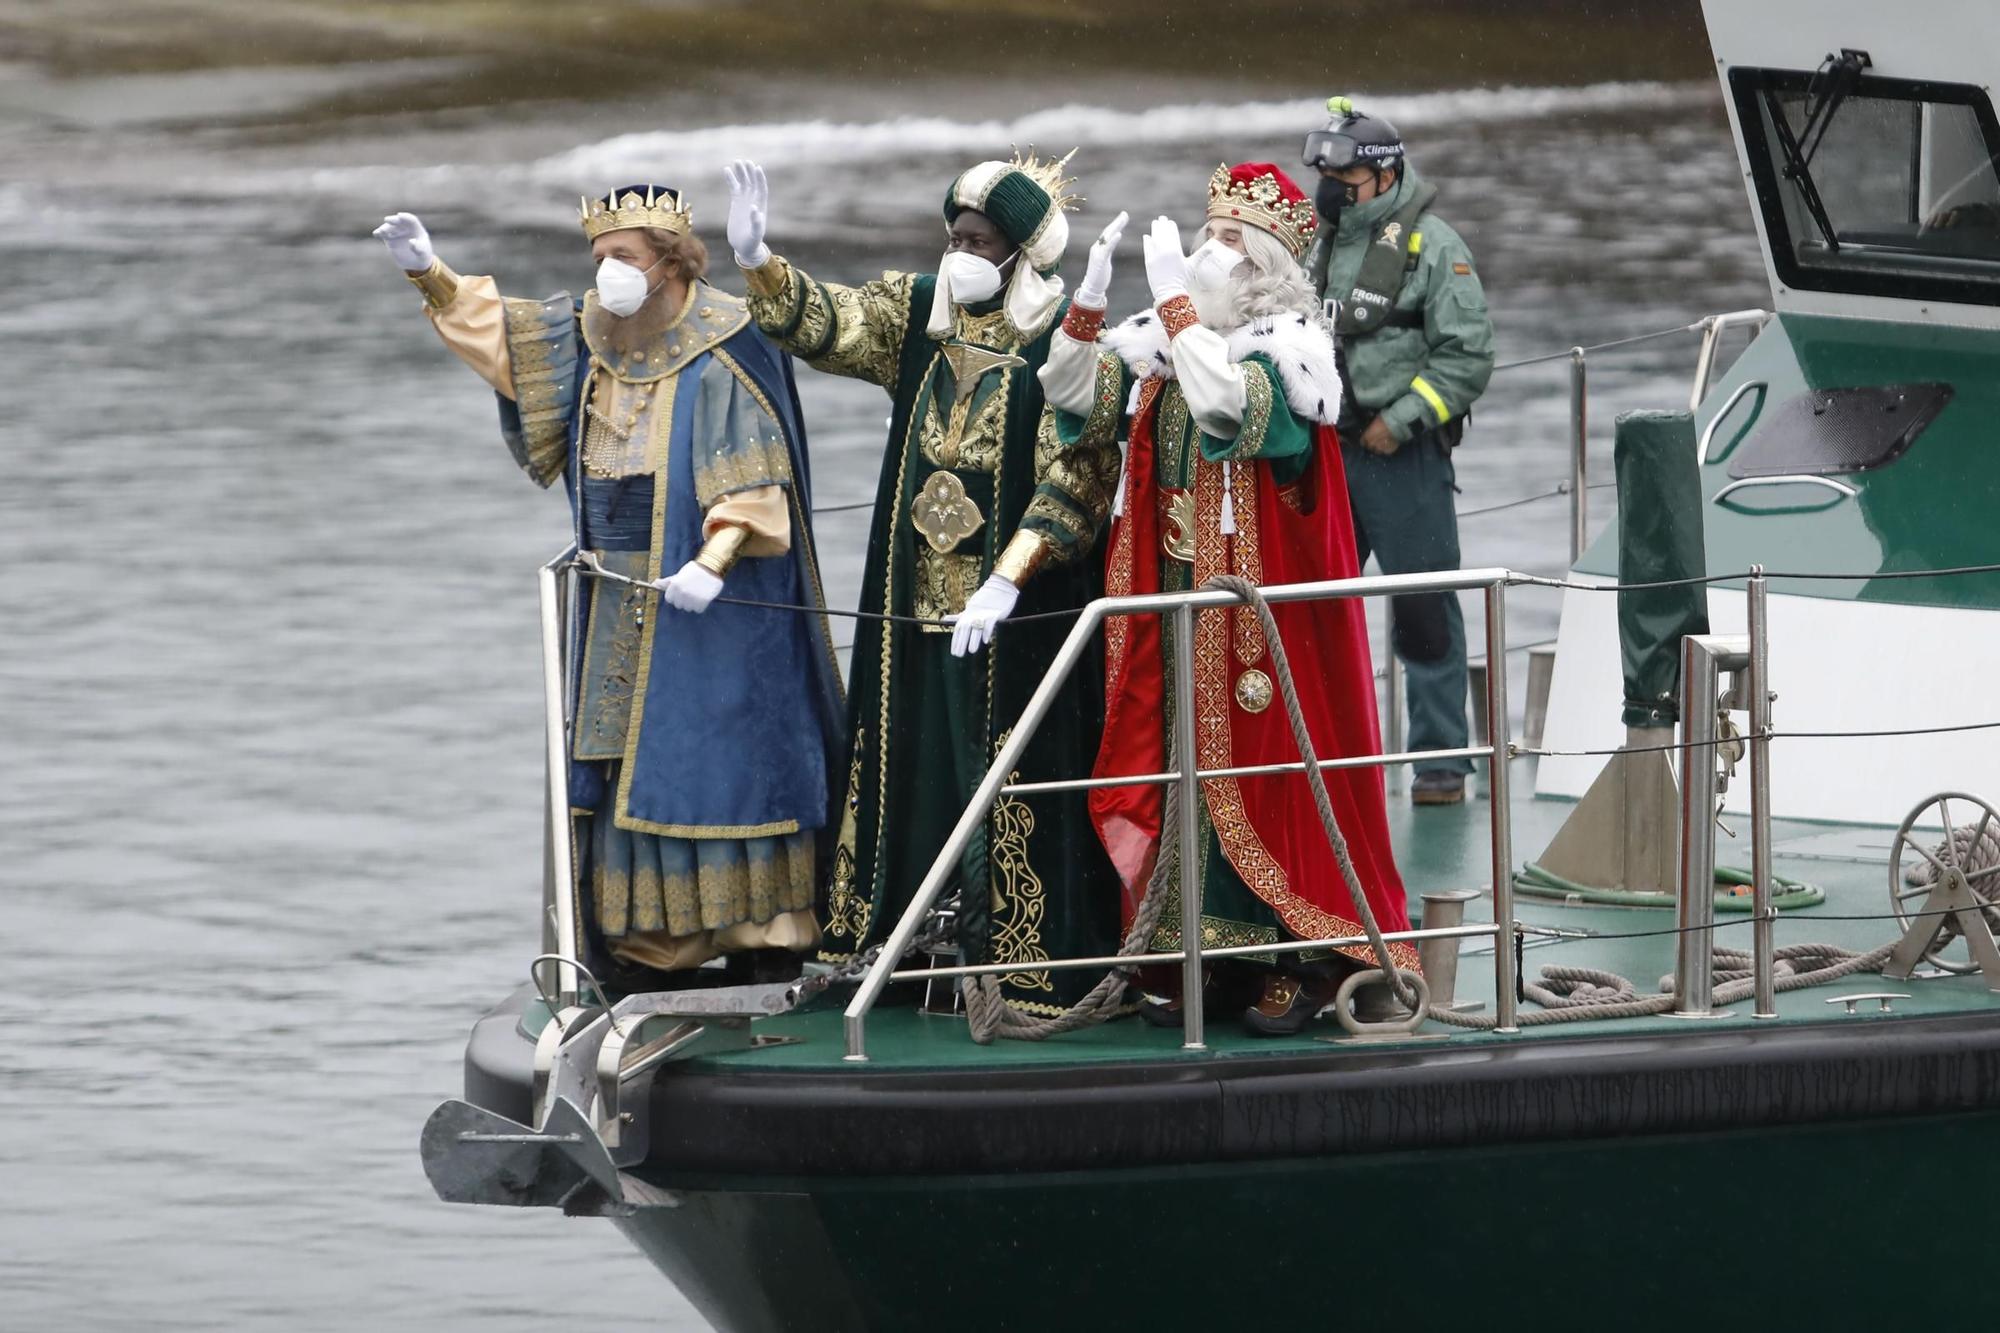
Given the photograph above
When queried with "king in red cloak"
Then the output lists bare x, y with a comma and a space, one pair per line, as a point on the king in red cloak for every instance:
1226, 391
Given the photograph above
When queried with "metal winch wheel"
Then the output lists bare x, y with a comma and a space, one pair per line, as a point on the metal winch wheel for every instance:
1970, 849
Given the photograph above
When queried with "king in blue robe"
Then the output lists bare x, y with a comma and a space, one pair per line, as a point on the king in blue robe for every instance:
703, 729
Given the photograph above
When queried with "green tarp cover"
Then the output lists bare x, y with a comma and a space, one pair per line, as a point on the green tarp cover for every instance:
1659, 539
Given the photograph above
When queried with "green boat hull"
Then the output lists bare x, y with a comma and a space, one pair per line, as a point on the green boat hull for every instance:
1790, 1227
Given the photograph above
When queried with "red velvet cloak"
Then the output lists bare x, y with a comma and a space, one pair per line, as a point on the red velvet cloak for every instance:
1268, 826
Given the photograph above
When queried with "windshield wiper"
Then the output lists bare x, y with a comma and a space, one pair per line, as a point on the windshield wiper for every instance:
1841, 74
1836, 77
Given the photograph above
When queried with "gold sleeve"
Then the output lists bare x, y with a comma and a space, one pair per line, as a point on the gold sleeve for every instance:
472, 321
1074, 484
762, 513
852, 331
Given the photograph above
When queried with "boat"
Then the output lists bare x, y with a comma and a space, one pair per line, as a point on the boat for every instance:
1636, 1097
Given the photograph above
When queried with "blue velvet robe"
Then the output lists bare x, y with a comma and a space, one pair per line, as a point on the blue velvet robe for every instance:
737, 712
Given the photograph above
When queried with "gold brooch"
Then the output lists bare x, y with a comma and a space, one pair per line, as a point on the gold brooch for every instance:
1177, 540
1253, 691
944, 513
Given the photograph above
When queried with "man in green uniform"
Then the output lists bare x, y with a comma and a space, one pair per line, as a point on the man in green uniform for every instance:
1418, 350
981, 514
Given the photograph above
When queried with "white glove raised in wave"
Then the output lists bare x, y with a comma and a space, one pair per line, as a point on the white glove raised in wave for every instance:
409, 244
972, 628
1094, 292
1166, 262
749, 210
690, 589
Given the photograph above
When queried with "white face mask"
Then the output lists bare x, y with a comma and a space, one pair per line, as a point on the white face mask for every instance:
621, 289
972, 279
1211, 265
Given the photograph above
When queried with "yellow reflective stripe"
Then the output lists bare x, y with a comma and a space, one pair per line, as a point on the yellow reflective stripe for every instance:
1430, 395
1416, 242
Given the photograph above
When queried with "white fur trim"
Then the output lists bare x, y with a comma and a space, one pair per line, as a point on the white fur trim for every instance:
1302, 349
1298, 345
1141, 343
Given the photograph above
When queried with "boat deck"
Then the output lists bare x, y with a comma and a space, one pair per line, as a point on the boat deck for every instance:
1443, 848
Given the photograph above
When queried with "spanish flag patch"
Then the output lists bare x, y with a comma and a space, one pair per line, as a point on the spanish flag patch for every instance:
1462, 269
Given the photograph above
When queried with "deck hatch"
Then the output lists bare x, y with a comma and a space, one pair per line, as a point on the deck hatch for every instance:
1826, 431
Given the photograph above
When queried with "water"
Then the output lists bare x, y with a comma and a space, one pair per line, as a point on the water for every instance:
269, 830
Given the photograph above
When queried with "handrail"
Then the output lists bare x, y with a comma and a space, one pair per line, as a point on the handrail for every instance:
1787, 479
1493, 581
1707, 441
558, 860
1712, 329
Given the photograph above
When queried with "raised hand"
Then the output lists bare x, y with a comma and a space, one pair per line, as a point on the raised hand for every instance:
1095, 289
409, 244
1166, 262
749, 211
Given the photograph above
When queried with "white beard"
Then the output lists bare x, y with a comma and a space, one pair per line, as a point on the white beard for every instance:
1220, 308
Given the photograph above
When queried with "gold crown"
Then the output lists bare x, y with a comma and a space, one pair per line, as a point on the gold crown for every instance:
1259, 202
1051, 176
662, 208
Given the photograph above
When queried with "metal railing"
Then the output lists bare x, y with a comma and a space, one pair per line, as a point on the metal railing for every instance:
558, 585
1705, 659
1183, 607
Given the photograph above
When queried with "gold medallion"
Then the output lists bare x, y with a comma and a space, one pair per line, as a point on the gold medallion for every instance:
1253, 691
944, 513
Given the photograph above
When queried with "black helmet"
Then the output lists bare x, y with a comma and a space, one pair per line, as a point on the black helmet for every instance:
1353, 137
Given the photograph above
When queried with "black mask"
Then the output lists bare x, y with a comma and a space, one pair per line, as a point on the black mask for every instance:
1333, 195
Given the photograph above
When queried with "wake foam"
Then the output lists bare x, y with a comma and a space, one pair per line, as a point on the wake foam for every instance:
1057, 128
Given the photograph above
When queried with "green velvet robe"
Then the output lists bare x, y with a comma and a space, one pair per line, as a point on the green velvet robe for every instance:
924, 724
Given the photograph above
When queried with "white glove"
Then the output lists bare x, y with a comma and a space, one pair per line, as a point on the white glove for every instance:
749, 210
1094, 291
409, 244
691, 589
1166, 262
972, 629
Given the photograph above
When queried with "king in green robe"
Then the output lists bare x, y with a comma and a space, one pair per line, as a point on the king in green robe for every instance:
979, 502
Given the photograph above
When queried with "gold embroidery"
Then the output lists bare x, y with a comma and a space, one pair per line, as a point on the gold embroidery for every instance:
1170, 435
1020, 901
852, 331
1256, 413
728, 315
1075, 483
944, 513
1247, 555
845, 913
600, 734
1214, 748
972, 434
944, 582
754, 463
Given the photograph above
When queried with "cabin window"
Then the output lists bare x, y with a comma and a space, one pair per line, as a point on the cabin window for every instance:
1889, 190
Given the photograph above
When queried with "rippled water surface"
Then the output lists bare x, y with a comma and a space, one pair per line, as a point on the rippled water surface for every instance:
269, 668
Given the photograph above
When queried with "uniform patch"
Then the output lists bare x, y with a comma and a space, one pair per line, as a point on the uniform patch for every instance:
1463, 270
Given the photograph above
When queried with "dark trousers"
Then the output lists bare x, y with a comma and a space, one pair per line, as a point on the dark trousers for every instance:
1405, 515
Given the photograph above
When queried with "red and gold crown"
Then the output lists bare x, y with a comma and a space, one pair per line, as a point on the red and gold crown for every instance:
1263, 196
634, 206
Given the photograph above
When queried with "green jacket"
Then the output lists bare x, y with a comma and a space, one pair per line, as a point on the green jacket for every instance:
1415, 378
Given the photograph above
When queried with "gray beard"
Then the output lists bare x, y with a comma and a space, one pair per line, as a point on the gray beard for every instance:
1220, 308
637, 331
